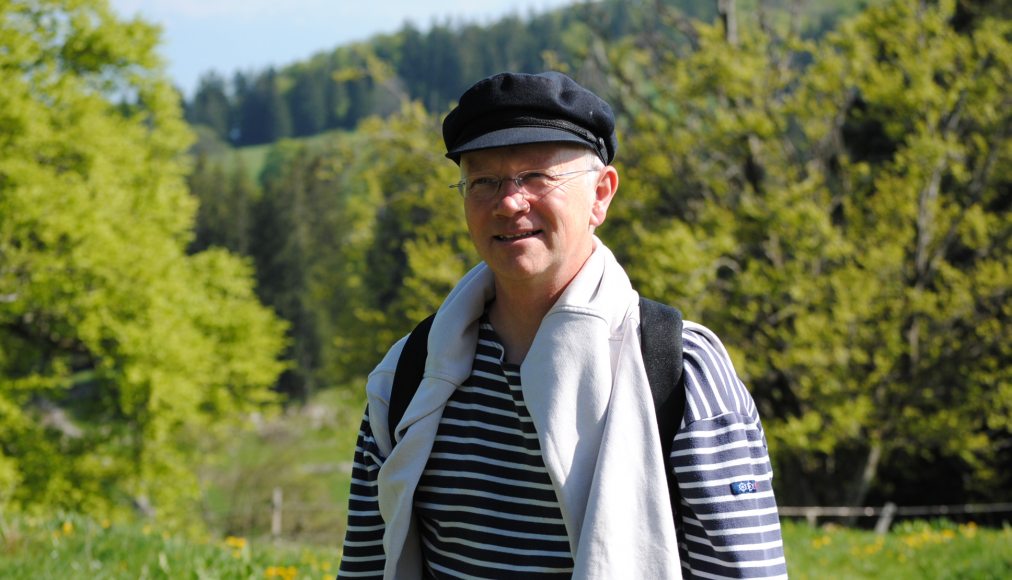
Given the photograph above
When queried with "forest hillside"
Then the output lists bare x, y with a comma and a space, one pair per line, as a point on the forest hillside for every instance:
826, 184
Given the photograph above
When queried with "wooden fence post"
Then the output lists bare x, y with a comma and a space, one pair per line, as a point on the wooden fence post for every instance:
885, 520
812, 517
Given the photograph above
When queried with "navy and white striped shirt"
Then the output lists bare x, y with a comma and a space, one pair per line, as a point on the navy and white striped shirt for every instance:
729, 527
485, 502
488, 510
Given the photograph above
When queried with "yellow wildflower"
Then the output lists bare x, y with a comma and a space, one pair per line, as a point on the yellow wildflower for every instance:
968, 529
821, 541
283, 572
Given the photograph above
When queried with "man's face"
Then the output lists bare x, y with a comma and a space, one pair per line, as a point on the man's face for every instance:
531, 240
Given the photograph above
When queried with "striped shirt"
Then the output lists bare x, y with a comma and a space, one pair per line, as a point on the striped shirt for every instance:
729, 527
485, 502
488, 510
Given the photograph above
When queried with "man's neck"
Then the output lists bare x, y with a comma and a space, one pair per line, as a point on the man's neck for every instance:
520, 306
516, 315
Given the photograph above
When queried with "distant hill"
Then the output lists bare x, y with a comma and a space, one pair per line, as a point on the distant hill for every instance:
339, 88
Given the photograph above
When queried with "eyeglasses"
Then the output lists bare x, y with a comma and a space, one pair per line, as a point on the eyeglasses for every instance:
535, 182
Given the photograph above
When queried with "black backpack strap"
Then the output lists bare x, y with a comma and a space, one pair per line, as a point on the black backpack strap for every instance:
407, 377
661, 343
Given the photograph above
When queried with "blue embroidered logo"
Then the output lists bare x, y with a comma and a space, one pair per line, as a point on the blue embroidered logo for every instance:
740, 487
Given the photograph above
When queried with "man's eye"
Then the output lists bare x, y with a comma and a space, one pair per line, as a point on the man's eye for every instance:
482, 182
536, 178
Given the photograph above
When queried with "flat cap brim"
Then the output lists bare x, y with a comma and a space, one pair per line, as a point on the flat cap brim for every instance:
514, 136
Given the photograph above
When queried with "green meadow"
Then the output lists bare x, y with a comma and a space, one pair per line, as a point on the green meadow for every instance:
77, 547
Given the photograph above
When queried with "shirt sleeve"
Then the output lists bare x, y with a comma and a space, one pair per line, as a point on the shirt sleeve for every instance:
363, 555
728, 514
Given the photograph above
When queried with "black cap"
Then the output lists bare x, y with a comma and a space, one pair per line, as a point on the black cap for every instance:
517, 108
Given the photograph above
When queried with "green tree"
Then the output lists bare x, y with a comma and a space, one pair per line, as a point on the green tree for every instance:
400, 240
211, 106
119, 353
226, 198
839, 211
307, 100
286, 220
263, 111
358, 237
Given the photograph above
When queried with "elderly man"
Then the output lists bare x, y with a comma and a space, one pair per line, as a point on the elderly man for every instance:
531, 446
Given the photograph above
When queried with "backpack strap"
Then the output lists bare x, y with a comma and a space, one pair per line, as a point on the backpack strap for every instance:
408, 375
660, 341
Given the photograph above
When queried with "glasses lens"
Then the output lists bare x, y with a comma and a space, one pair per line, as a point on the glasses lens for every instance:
482, 187
533, 183
537, 183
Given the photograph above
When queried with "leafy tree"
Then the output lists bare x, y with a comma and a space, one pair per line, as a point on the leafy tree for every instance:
119, 353
844, 225
399, 238
358, 237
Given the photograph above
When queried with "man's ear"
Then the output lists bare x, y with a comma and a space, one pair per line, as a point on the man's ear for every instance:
607, 185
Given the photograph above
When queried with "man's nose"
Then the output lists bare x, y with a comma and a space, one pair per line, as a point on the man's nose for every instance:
512, 199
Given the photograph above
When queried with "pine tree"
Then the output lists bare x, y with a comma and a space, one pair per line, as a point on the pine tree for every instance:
211, 106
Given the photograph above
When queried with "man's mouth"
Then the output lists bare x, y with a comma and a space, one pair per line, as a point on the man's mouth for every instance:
519, 236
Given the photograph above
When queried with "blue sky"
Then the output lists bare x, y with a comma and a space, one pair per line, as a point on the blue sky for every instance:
231, 35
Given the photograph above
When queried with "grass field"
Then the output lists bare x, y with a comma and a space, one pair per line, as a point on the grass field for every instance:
303, 452
306, 453
915, 550
254, 157
76, 547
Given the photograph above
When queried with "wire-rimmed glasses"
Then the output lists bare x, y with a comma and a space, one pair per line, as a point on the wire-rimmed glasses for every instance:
534, 182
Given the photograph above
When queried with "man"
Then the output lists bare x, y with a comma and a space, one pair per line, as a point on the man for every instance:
531, 447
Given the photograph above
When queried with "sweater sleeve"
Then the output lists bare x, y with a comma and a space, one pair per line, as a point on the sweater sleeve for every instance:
729, 527
363, 555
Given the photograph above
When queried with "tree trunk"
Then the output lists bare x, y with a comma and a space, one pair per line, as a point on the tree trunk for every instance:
860, 489
727, 14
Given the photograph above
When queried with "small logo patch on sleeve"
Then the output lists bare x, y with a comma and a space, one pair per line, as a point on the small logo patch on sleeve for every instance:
747, 486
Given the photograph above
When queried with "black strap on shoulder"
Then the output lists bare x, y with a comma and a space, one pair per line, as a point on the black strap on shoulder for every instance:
410, 368
661, 342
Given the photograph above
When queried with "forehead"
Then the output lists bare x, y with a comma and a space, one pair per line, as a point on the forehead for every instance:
514, 157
